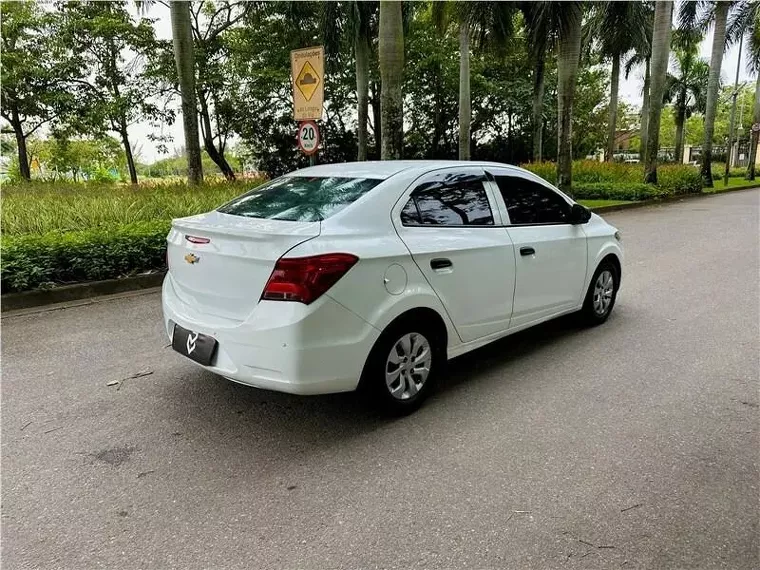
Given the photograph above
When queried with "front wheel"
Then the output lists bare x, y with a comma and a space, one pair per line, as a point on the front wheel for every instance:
401, 369
601, 295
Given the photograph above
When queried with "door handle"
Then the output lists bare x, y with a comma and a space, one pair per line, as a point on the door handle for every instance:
527, 251
440, 263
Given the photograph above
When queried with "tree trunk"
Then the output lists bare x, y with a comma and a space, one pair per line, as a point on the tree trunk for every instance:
612, 121
567, 70
23, 157
755, 134
361, 47
465, 104
644, 113
663, 16
538, 106
391, 55
680, 120
208, 141
713, 85
128, 152
184, 57
376, 120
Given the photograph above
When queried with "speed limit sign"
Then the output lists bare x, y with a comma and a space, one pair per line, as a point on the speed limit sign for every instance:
308, 137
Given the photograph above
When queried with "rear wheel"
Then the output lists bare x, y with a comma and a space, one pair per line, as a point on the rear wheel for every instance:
601, 295
402, 368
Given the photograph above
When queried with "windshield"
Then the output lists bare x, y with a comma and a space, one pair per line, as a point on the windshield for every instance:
300, 198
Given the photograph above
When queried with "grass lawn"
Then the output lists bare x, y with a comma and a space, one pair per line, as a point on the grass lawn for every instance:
733, 183
599, 203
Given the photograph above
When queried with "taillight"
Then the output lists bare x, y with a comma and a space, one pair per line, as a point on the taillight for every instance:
305, 279
196, 239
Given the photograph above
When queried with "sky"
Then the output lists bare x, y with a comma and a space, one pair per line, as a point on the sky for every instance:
630, 89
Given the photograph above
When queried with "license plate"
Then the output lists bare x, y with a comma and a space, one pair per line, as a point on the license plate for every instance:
197, 346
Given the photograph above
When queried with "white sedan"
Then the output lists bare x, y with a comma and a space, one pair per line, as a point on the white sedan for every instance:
371, 275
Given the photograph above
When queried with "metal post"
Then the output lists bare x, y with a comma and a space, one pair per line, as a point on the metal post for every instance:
733, 114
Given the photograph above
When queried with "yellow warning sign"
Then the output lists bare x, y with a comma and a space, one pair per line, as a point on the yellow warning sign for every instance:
307, 80
307, 67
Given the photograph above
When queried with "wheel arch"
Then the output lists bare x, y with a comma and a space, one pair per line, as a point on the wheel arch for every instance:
429, 316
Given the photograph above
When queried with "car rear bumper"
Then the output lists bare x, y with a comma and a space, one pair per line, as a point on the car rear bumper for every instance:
287, 347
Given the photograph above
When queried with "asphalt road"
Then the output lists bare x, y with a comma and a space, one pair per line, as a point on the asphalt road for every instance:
634, 444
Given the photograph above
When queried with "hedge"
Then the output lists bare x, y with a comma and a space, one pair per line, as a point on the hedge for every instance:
679, 179
55, 258
673, 179
618, 191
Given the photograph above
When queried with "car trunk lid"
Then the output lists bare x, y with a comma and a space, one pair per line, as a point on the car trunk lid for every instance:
220, 263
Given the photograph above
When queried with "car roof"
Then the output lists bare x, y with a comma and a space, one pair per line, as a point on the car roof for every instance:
382, 169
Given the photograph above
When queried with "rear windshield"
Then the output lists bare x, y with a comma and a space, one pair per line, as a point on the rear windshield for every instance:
300, 198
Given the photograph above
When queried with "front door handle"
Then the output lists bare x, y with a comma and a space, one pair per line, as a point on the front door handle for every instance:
527, 251
440, 263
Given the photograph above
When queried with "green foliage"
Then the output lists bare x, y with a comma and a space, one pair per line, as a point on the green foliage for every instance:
39, 208
591, 171
627, 191
34, 261
679, 179
718, 170
593, 176
67, 232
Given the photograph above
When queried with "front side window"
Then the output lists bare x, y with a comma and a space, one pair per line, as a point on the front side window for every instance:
300, 198
529, 202
455, 202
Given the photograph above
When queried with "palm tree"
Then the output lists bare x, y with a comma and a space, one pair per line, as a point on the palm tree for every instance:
568, 17
643, 55
391, 56
489, 23
745, 23
663, 16
360, 27
182, 36
625, 28
699, 14
538, 30
687, 89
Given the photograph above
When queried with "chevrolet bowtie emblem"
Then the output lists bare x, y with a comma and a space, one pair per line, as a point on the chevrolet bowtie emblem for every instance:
191, 258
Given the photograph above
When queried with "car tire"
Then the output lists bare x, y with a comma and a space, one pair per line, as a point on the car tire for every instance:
402, 369
601, 295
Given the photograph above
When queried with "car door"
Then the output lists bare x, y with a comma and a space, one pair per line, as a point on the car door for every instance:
450, 224
550, 252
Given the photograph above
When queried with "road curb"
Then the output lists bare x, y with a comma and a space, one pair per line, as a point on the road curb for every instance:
79, 291
668, 200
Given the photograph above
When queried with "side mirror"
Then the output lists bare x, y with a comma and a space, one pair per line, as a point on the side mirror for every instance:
579, 214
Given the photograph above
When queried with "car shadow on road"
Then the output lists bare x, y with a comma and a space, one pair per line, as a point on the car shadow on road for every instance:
310, 423
515, 347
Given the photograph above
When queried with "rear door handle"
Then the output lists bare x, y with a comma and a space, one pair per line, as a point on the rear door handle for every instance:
440, 263
527, 251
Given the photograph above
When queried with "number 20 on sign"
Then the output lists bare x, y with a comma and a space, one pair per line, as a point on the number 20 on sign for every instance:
308, 137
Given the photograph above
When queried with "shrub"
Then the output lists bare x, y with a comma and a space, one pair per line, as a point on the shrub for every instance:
672, 178
679, 179
718, 170
38, 208
546, 170
617, 191
590, 171
34, 261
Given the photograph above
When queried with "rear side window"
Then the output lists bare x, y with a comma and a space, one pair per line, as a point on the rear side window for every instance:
300, 198
529, 202
460, 203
